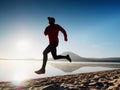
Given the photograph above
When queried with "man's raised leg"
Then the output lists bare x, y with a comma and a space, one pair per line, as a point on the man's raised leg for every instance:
55, 56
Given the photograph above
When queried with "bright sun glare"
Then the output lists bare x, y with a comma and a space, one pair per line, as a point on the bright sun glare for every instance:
23, 45
18, 78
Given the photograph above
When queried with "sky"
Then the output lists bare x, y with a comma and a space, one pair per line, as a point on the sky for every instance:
92, 26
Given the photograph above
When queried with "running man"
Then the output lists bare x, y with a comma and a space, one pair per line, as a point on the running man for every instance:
52, 31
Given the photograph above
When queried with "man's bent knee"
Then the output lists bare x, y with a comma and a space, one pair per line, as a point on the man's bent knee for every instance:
55, 57
44, 53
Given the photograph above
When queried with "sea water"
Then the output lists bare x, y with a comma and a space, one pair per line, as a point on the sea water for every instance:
18, 70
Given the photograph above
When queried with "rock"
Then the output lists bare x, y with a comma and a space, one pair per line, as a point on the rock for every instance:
118, 85
112, 88
100, 84
115, 77
49, 87
75, 82
92, 84
109, 83
46, 87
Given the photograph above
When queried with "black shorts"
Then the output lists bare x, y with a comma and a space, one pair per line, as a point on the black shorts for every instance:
51, 48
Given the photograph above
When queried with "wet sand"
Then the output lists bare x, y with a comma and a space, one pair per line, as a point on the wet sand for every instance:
102, 80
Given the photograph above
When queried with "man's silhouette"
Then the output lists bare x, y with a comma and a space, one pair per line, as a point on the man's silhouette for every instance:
52, 32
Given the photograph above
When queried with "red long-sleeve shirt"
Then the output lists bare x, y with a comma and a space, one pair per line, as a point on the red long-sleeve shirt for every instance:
52, 32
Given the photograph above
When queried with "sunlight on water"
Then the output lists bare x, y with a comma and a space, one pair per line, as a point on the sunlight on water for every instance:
18, 78
18, 70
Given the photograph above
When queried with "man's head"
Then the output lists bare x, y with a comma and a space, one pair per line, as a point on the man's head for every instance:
51, 20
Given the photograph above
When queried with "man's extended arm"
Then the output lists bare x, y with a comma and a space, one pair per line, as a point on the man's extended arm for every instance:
64, 33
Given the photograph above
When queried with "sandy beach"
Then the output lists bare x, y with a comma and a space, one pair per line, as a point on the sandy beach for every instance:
102, 80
